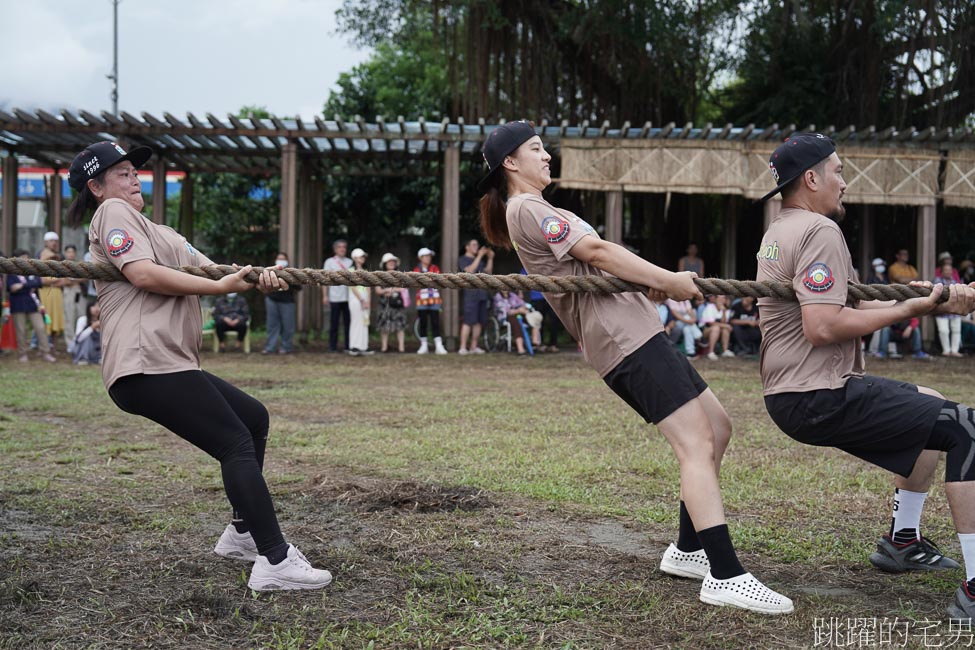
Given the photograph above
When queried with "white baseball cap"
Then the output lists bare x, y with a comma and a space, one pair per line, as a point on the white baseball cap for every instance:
51, 236
387, 257
358, 252
877, 261
424, 251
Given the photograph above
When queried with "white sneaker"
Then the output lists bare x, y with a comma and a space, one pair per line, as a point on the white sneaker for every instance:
438, 343
294, 572
462, 352
712, 356
746, 592
727, 353
477, 351
423, 347
236, 546
686, 565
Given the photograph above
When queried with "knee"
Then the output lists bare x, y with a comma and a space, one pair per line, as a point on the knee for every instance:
694, 447
924, 390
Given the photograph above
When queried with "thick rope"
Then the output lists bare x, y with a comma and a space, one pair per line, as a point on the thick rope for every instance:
514, 282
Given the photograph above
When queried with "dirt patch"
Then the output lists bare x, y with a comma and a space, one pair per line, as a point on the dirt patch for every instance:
373, 495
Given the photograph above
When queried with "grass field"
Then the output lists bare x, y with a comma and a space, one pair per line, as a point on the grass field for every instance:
459, 502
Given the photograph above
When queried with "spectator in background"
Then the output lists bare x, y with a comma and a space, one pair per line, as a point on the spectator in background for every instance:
551, 325
878, 272
337, 297
949, 325
230, 314
393, 303
359, 306
508, 305
88, 337
716, 326
942, 258
900, 271
474, 260
25, 306
691, 262
683, 312
967, 271
74, 300
50, 293
745, 326
907, 332
280, 309
428, 304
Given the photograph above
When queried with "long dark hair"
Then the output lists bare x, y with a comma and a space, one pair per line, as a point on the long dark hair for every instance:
83, 202
494, 223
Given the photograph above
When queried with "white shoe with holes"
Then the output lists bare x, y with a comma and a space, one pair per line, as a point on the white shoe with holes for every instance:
294, 572
236, 546
686, 565
746, 592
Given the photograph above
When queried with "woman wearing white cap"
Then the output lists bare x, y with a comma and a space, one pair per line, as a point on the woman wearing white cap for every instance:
428, 304
359, 310
392, 308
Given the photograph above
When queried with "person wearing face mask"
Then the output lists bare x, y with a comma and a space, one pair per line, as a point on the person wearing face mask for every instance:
280, 306
230, 314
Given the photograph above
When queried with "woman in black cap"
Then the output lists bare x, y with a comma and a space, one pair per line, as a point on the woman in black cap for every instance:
622, 338
151, 336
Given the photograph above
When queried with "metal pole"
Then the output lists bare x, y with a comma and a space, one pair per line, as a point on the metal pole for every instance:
114, 75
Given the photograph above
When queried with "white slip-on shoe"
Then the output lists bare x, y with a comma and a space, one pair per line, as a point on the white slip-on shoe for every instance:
686, 565
744, 591
236, 546
294, 572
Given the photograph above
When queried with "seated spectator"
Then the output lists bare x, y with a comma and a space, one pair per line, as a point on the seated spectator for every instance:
716, 326
745, 326
88, 337
683, 313
968, 331
230, 314
949, 325
508, 305
877, 275
943, 257
551, 325
670, 324
901, 272
906, 332
967, 271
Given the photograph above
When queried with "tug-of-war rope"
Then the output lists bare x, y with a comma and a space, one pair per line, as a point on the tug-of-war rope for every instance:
410, 280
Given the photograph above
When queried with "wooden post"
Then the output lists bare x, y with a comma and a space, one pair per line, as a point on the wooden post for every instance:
186, 208
729, 239
300, 251
772, 209
289, 195
315, 259
614, 216
8, 236
55, 217
866, 241
159, 190
927, 228
450, 238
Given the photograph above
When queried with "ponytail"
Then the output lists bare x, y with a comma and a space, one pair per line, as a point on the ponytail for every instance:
494, 222
82, 203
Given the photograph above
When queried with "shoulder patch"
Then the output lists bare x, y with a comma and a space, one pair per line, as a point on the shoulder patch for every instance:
818, 278
118, 242
555, 229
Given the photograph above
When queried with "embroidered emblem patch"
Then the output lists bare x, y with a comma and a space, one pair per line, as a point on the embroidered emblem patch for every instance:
818, 278
556, 229
118, 242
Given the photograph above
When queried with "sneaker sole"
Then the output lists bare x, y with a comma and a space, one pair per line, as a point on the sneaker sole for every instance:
729, 601
236, 554
956, 612
888, 565
680, 571
286, 585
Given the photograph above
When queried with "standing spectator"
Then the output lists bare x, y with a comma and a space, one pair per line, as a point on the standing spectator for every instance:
691, 262
946, 256
50, 293
551, 325
508, 305
745, 326
683, 312
967, 271
428, 304
230, 314
280, 309
475, 300
338, 297
74, 300
946, 323
359, 306
878, 272
900, 271
24, 307
88, 337
392, 308
714, 321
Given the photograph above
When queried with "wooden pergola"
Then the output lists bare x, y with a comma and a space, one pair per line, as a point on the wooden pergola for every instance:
915, 167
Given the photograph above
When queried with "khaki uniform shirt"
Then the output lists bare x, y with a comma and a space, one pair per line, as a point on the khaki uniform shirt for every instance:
143, 332
609, 327
808, 251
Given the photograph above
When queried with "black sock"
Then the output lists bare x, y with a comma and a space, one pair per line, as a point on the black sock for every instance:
277, 554
239, 524
905, 536
687, 541
721, 553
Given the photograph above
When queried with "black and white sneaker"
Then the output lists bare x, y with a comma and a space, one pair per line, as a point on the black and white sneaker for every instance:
918, 555
964, 606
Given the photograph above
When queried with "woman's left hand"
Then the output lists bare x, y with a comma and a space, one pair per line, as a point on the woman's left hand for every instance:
269, 282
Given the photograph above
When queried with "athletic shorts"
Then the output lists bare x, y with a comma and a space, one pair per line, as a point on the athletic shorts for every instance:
475, 312
882, 421
656, 380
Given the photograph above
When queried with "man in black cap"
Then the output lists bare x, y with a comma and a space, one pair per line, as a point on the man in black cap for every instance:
813, 376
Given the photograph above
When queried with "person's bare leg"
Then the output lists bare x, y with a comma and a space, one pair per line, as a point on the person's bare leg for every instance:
465, 332
720, 425
725, 338
713, 333
475, 335
401, 340
383, 340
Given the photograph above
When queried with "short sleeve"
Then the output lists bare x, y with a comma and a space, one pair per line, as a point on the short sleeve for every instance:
558, 232
124, 234
822, 268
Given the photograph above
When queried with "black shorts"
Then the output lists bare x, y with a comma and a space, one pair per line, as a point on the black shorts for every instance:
882, 421
656, 380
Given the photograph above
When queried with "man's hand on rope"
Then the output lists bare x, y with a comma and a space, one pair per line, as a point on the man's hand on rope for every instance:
961, 299
681, 286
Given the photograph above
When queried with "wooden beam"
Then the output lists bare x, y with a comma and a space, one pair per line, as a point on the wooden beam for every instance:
54, 220
450, 237
614, 217
289, 198
159, 190
186, 215
301, 251
8, 216
927, 233
729, 238
866, 240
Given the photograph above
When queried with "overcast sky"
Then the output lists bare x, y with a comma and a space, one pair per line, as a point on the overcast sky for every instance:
174, 55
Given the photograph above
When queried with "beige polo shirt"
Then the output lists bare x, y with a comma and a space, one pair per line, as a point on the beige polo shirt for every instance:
143, 332
609, 327
808, 251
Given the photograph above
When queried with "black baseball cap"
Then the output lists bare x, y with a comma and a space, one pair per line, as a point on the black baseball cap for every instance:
794, 156
98, 157
501, 142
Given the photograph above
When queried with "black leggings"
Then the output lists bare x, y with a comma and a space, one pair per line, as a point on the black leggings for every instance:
223, 421
954, 432
434, 317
